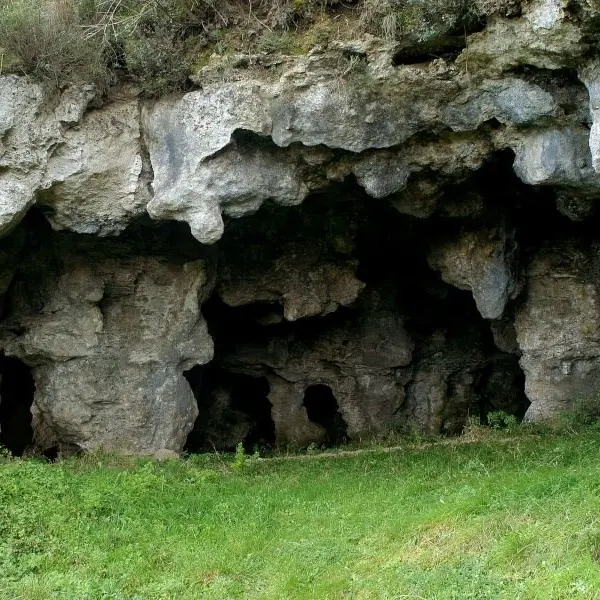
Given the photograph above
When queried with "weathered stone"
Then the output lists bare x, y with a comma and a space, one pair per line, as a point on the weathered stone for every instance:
544, 37
559, 158
108, 351
575, 207
109, 334
442, 386
361, 361
419, 199
505, 336
558, 330
93, 175
233, 182
301, 279
200, 171
482, 262
25, 134
590, 75
90, 169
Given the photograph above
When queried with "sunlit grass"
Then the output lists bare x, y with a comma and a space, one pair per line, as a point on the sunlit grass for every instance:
496, 518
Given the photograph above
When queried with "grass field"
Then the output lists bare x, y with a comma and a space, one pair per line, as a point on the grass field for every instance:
496, 518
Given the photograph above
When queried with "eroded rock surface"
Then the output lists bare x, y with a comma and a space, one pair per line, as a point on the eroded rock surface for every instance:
482, 262
442, 225
108, 340
558, 329
348, 358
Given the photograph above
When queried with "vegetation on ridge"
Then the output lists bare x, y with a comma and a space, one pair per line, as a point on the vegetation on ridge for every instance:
158, 43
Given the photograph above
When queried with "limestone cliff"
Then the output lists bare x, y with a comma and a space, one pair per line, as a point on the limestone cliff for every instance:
370, 237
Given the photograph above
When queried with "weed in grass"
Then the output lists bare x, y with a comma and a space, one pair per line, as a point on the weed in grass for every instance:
502, 420
240, 459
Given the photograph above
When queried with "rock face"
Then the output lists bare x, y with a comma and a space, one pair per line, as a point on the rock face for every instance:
380, 238
481, 261
558, 329
347, 360
108, 349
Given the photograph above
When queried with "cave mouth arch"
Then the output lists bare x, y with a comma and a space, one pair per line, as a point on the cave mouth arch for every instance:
17, 388
322, 408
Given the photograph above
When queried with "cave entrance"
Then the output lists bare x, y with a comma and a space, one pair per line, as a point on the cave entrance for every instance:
17, 388
322, 408
232, 408
249, 395
502, 388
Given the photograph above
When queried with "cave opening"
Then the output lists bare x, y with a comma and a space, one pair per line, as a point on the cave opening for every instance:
17, 388
501, 387
449, 333
453, 342
450, 51
322, 408
232, 408
250, 395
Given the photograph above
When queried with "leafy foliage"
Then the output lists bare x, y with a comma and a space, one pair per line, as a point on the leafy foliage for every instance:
502, 420
47, 40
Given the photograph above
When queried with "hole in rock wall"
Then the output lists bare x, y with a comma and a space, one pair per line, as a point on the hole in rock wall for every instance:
449, 51
332, 346
322, 408
447, 46
17, 388
249, 395
501, 387
232, 408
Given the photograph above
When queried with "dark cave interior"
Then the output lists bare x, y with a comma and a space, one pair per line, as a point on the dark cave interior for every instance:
17, 389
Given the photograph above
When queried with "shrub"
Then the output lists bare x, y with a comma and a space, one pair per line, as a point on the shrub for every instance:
156, 42
502, 420
239, 460
425, 20
47, 40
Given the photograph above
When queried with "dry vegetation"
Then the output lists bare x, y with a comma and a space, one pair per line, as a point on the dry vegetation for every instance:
157, 43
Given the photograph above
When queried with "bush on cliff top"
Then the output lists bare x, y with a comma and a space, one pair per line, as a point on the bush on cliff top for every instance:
47, 40
157, 42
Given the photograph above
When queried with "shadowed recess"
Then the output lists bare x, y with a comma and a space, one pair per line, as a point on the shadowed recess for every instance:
322, 408
17, 388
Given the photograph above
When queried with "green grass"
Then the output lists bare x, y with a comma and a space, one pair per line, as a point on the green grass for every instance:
495, 518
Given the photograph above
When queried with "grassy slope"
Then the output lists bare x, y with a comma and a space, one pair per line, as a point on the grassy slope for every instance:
519, 519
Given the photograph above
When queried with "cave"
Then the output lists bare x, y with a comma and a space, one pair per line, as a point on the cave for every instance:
322, 408
17, 388
246, 315
285, 337
232, 408
249, 395
501, 387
